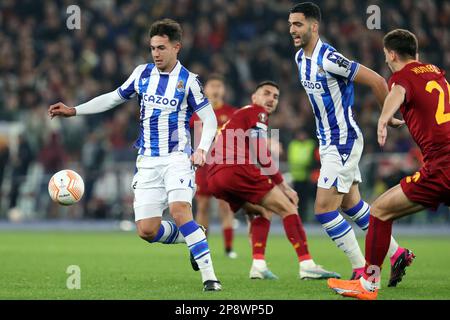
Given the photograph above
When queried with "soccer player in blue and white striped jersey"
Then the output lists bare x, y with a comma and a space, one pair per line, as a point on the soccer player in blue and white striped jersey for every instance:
327, 77
168, 94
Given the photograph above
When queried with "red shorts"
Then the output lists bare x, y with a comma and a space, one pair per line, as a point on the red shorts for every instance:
201, 180
428, 187
239, 184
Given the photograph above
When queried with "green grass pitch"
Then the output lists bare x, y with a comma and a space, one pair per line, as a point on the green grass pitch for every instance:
116, 265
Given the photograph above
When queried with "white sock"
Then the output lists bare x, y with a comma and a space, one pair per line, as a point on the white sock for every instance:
393, 247
198, 245
259, 264
307, 264
369, 286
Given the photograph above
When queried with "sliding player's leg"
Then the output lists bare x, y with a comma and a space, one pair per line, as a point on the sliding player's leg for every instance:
391, 205
276, 201
359, 211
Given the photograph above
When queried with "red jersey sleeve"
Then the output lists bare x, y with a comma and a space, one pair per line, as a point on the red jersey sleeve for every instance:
401, 79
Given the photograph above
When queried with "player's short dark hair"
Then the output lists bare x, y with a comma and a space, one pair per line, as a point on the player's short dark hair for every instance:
403, 42
215, 76
166, 27
267, 83
309, 9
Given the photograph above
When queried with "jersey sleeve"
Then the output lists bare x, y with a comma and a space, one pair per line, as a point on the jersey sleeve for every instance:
402, 80
127, 89
196, 99
258, 119
338, 65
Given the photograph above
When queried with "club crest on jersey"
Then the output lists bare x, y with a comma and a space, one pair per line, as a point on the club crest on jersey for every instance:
321, 72
180, 86
262, 117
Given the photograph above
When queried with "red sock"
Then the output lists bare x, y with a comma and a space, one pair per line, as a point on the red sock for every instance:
296, 234
259, 230
228, 238
377, 243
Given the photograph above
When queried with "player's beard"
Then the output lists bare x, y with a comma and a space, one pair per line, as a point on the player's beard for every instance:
306, 38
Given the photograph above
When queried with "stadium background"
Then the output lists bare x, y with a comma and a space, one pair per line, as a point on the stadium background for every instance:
42, 62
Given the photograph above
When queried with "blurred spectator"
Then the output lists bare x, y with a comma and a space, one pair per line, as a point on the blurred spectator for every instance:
92, 158
42, 62
4, 158
20, 162
301, 160
52, 157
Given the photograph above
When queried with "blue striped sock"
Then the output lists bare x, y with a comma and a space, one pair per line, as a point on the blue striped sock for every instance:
341, 232
334, 224
168, 233
360, 214
198, 245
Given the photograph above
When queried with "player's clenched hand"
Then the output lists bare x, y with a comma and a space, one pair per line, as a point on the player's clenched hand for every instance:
198, 158
60, 109
382, 132
395, 123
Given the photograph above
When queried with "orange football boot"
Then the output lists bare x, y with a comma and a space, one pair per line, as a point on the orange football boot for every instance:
352, 289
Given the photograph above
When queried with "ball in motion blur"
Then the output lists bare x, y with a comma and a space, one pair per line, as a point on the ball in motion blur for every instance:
66, 187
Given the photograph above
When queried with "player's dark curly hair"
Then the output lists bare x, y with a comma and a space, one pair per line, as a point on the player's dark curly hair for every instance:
403, 42
309, 9
166, 27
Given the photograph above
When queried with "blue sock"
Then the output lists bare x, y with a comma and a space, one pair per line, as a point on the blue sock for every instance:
360, 214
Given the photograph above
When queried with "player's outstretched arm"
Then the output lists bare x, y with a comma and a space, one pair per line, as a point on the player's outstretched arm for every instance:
60, 109
379, 88
98, 104
391, 105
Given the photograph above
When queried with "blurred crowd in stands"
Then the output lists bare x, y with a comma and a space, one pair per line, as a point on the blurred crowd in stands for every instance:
42, 62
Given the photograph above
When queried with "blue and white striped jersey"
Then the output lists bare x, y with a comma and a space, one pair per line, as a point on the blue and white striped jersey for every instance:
327, 77
167, 102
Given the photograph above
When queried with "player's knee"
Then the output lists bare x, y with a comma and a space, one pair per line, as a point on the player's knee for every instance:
287, 209
379, 212
322, 206
179, 211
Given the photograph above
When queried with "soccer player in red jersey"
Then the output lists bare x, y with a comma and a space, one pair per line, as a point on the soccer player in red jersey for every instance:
215, 91
243, 173
422, 94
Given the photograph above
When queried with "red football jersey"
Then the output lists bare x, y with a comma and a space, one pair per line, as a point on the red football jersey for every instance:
426, 109
234, 141
223, 114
